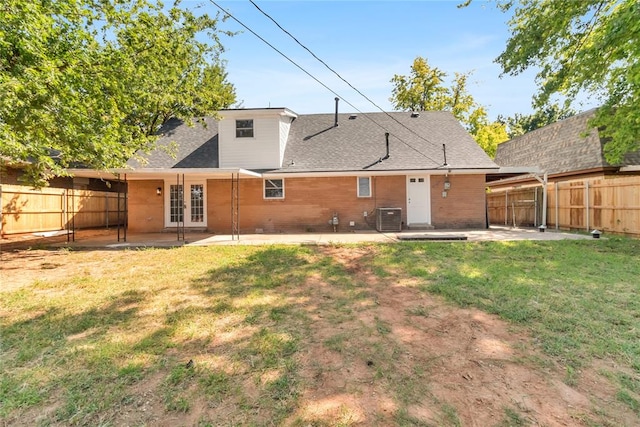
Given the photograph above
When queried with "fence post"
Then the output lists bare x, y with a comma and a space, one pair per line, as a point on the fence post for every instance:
557, 188
545, 201
1, 207
506, 207
106, 208
586, 199
535, 206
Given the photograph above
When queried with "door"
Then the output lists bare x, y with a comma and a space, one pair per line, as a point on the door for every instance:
418, 200
190, 207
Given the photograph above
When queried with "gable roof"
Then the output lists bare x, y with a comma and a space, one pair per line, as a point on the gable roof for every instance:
569, 145
182, 145
315, 145
358, 143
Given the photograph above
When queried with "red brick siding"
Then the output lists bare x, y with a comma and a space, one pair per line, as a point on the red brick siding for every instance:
146, 208
308, 205
465, 204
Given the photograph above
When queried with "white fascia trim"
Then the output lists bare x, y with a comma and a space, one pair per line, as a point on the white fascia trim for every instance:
379, 173
630, 168
257, 112
112, 173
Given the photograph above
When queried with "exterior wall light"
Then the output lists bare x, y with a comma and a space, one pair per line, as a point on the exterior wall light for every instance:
159, 191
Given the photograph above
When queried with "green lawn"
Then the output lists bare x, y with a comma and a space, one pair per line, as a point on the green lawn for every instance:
86, 349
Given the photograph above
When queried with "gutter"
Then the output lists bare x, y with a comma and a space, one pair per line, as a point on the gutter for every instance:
142, 173
320, 174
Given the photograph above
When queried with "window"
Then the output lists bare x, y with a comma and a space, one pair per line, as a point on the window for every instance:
274, 188
244, 128
364, 186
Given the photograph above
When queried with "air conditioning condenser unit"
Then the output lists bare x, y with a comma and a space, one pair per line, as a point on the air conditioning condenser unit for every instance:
389, 219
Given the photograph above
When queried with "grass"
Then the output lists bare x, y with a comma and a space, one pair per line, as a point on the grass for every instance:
579, 299
82, 346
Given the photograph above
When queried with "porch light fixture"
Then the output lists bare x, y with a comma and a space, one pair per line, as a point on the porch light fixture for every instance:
159, 191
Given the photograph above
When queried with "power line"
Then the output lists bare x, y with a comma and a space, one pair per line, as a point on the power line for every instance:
338, 74
328, 88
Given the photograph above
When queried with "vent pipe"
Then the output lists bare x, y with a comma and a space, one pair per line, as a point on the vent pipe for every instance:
335, 122
386, 135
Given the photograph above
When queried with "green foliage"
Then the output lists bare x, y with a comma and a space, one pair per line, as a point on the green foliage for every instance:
91, 82
519, 124
589, 46
424, 90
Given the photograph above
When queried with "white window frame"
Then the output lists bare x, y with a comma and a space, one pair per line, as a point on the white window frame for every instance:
368, 178
240, 130
264, 189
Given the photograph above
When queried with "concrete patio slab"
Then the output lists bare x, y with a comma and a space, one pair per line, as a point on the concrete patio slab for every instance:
108, 239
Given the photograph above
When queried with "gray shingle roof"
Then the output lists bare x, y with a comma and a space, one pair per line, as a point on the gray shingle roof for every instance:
183, 146
315, 144
565, 146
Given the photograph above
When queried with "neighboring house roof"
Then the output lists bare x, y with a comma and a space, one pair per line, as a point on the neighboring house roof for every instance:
569, 145
183, 145
315, 145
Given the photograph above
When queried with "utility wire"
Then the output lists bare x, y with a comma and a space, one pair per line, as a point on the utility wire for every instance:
338, 74
327, 87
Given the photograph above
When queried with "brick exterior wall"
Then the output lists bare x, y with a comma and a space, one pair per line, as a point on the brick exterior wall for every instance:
465, 204
146, 208
309, 204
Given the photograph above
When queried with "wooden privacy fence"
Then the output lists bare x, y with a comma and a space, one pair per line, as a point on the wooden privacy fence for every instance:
520, 207
607, 204
26, 210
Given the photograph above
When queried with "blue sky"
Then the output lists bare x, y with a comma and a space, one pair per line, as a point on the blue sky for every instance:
366, 42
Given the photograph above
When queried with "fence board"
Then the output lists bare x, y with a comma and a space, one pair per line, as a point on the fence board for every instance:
608, 204
25, 210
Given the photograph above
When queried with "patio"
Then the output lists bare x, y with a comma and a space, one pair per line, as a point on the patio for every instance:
108, 239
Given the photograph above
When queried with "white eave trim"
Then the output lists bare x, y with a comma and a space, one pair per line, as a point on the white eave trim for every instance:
630, 168
443, 171
147, 173
212, 173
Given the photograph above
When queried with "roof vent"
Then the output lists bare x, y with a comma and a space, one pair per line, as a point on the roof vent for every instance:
353, 117
415, 114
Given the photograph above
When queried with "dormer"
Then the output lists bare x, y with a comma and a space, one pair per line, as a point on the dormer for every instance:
254, 138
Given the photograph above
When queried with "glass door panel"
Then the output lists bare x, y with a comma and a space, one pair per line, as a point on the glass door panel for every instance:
197, 203
176, 204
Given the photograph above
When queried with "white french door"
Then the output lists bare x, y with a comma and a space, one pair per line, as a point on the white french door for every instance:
188, 206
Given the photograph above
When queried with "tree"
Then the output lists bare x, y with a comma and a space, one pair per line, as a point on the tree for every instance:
92, 82
519, 124
424, 90
587, 46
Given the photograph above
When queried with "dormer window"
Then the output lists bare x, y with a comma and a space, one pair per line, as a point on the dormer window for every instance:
244, 128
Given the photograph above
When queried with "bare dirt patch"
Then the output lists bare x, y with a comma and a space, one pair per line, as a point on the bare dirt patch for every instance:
22, 267
463, 365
